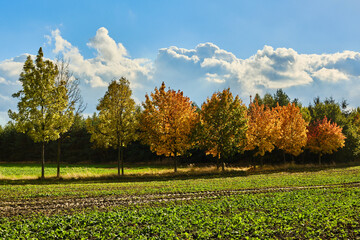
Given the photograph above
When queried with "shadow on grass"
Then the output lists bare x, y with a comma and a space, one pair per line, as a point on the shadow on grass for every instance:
113, 178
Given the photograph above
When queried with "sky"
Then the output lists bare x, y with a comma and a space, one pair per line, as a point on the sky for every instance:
307, 48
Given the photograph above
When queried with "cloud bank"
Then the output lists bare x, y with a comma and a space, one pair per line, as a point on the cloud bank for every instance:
198, 72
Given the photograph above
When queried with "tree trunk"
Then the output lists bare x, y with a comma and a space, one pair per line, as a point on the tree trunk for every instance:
175, 163
284, 157
261, 161
118, 160
122, 160
58, 157
217, 161
222, 165
43, 160
319, 158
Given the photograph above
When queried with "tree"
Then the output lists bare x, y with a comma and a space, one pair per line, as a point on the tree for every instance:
281, 98
41, 102
293, 130
352, 133
66, 78
328, 108
224, 125
263, 131
116, 123
167, 122
324, 137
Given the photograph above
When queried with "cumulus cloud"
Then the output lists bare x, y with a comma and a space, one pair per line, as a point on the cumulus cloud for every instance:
198, 72
331, 75
267, 70
111, 61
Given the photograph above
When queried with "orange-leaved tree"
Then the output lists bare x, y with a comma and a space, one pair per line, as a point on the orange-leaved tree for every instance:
224, 125
263, 131
292, 138
167, 122
324, 137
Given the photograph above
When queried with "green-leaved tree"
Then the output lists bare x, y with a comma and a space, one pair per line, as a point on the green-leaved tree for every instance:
41, 101
224, 124
116, 122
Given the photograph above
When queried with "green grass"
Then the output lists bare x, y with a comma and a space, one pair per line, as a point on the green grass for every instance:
173, 183
302, 214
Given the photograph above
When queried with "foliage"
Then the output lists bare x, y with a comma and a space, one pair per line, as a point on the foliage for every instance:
116, 123
42, 102
281, 98
352, 132
264, 129
167, 122
328, 108
224, 124
324, 137
293, 130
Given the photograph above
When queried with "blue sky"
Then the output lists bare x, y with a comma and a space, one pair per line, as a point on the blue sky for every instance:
308, 48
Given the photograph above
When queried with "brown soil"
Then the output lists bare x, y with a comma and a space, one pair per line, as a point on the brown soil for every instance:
52, 205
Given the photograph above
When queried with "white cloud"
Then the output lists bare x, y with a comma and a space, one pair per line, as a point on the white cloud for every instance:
198, 72
331, 75
111, 61
213, 77
266, 70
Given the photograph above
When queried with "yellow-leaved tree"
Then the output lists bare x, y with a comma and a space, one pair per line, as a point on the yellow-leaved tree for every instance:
167, 122
292, 138
116, 122
223, 124
42, 103
263, 131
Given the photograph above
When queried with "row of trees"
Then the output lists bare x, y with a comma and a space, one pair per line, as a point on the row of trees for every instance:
172, 126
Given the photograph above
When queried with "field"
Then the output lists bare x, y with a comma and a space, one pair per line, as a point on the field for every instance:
295, 203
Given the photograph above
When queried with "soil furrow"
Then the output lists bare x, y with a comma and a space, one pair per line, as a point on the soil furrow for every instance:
49, 205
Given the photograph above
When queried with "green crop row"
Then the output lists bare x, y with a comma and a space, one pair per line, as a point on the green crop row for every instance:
302, 214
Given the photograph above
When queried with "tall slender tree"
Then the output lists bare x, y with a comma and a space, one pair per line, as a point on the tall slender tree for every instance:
116, 123
41, 102
75, 104
224, 124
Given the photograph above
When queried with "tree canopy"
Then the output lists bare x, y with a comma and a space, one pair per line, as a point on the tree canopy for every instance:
116, 123
224, 125
41, 102
167, 122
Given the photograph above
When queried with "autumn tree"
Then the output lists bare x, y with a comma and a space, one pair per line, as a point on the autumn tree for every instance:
292, 137
41, 102
224, 125
263, 131
167, 122
324, 137
115, 124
